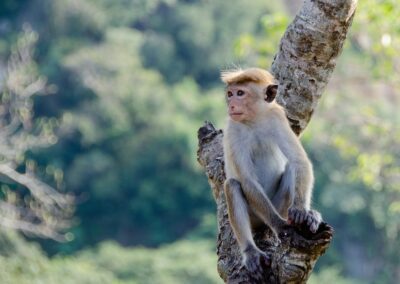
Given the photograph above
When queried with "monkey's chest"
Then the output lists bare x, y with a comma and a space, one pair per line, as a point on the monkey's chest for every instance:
269, 164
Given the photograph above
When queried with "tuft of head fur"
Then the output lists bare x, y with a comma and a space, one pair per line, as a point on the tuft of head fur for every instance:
240, 76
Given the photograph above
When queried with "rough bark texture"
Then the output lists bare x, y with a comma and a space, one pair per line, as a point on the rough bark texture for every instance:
307, 56
303, 65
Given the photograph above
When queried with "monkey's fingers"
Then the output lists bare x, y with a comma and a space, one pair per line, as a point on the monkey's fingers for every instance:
316, 215
292, 215
315, 223
314, 220
303, 216
297, 216
314, 226
309, 220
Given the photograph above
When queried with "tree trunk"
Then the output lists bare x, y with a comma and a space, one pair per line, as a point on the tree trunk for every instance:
306, 58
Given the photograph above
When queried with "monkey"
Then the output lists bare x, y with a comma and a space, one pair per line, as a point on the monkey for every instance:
269, 178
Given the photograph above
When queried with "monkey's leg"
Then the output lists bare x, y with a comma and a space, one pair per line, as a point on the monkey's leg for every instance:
262, 205
238, 211
284, 196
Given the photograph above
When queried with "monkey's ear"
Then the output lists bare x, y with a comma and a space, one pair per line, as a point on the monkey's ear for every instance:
270, 93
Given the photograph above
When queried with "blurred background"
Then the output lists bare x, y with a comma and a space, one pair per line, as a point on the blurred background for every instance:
100, 104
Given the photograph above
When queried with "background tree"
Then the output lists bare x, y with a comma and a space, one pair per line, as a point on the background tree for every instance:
27, 204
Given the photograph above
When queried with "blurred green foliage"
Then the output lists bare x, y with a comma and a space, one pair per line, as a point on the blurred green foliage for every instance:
134, 79
109, 263
10, 7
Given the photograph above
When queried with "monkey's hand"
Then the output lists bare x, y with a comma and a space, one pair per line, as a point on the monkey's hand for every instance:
255, 261
299, 216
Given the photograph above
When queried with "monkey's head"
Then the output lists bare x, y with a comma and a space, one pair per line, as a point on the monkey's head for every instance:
249, 93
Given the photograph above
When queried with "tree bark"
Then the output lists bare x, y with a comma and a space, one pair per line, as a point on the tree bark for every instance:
306, 58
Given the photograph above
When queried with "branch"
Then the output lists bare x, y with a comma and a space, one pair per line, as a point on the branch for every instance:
45, 214
26, 220
40, 190
303, 65
307, 56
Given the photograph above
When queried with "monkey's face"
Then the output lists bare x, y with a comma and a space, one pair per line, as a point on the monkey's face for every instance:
243, 102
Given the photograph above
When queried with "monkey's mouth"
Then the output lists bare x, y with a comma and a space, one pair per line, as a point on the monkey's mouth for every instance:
235, 113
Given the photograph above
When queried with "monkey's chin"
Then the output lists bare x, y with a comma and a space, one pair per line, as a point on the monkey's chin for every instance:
236, 117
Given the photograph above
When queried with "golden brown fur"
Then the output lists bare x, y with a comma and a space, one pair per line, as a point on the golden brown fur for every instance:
239, 76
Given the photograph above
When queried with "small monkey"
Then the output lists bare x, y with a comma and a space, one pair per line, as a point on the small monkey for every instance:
268, 175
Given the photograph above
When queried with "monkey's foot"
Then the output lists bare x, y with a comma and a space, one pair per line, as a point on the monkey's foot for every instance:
299, 216
256, 261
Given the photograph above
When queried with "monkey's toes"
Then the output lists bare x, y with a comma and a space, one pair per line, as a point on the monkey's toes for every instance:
314, 227
256, 262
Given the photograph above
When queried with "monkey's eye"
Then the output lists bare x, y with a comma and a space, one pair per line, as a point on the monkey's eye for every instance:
229, 94
240, 93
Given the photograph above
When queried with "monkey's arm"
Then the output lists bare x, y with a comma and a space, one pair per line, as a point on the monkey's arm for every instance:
298, 161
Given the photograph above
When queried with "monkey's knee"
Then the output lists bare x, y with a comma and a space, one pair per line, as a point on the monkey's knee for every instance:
232, 186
